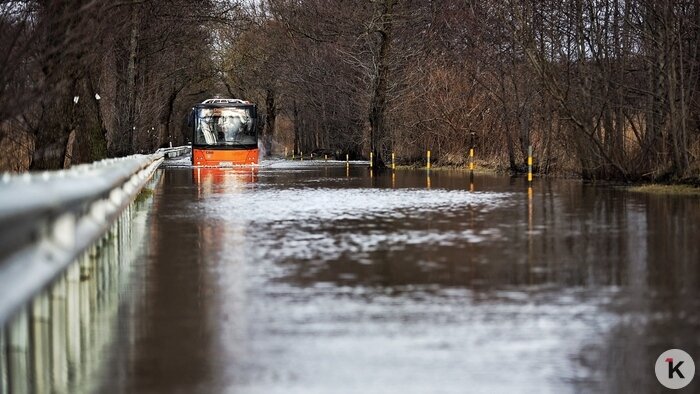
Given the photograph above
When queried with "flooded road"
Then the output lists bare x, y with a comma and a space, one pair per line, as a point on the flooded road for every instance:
313, 278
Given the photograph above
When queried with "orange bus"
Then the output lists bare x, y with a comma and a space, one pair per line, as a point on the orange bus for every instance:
225, 133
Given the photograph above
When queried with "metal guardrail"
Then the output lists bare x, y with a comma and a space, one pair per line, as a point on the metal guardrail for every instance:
48, 219
175, 151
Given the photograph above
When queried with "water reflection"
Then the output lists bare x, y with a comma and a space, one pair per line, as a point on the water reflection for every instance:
212, 179
571, 258
192, 287
562, 270
309, 277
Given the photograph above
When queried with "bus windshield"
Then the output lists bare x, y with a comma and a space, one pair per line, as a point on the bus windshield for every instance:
225, 127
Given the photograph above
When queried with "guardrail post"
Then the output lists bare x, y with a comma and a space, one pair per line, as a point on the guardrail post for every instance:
40, 323
73, 314
59, 366
18, 353
3, 363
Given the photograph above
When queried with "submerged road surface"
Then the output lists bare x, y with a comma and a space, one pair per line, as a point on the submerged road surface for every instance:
313, 278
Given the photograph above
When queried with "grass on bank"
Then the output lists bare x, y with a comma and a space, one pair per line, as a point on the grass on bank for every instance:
655, 188
480, 167
687, 187
477, 169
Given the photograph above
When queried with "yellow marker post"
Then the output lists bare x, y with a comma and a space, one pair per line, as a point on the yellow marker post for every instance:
325, 157
471, 159
393, 161
529, 219
529, 163
285, 152
371, 159
428, 161
347, 160
301, 156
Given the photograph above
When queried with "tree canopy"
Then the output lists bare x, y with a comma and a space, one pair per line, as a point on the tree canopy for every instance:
605, 89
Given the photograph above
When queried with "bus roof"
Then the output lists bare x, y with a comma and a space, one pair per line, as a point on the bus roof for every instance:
225, 101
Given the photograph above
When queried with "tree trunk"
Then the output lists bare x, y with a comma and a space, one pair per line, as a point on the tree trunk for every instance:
297, 127
655, 112
167, 119
270, 118
131, 78
377, 115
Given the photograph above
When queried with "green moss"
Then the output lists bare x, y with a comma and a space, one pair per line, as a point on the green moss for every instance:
666, 189
145, 194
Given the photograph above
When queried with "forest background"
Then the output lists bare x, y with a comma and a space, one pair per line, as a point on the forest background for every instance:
602, 89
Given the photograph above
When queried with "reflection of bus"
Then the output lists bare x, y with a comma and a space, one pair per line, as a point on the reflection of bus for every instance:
224, 133
223, 180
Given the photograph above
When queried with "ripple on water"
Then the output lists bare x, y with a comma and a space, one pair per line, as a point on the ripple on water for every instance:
324, 204
323, 224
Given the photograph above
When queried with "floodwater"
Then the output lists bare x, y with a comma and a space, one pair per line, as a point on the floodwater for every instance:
317, 278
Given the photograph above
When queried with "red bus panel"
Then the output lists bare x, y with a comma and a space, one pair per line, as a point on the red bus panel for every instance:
224, 157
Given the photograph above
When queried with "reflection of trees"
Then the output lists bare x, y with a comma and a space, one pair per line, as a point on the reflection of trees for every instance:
578, 238
234, 125
631, 258
656, 309
171, 350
